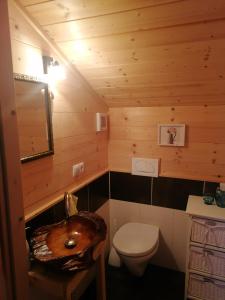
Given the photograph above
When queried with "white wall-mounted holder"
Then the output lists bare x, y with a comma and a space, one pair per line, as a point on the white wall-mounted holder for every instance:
171, 134
101, 122
145, 166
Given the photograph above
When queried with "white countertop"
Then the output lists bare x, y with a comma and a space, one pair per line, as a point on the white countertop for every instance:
196, 207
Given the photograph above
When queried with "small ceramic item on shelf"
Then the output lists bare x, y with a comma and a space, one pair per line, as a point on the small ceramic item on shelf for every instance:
208, 199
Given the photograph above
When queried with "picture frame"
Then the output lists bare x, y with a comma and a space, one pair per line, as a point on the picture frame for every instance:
171, 135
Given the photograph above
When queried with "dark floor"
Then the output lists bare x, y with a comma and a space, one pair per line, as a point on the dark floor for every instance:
156, 284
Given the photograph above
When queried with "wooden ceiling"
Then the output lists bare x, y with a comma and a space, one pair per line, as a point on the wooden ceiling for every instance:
141, 52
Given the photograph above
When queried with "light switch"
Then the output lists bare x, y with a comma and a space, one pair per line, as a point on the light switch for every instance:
145, 167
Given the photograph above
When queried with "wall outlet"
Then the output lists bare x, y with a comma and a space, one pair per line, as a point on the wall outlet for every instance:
78, 169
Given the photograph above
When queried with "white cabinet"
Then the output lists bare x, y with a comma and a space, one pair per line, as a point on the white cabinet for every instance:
205, 275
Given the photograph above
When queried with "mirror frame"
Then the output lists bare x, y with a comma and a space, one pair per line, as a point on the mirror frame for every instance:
50, 151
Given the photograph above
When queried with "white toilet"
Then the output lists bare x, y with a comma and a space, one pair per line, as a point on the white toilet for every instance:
134, 244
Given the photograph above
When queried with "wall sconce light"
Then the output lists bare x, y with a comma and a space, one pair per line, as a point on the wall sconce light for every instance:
53, 69
47, 61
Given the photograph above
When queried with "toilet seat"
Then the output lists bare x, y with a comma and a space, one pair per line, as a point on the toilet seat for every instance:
135, 239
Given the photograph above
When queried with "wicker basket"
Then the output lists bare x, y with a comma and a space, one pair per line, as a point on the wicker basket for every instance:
208, 232
207, 261
206, 288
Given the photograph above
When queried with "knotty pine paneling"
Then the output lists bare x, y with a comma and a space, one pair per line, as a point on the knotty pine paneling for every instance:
69, 10
73, 115
133, 133
142, 53
190, 52
201, 31
136, 15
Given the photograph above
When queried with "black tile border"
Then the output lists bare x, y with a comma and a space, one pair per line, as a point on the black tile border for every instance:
210, 188
83, 198
98, 192
159, 191
131, 188
174, 192
90, 197
171, 193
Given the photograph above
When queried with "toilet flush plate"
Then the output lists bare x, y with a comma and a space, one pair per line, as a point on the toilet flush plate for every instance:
145, 167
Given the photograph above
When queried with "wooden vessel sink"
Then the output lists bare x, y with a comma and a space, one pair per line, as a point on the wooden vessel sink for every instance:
68, 245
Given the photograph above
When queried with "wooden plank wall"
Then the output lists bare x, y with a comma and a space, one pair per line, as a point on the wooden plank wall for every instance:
133, 133
73, 114
142, 52
12, 226
162, 53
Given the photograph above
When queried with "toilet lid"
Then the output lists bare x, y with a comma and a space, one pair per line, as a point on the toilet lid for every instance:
135, 239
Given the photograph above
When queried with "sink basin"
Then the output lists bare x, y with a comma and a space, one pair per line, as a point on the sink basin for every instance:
68, 245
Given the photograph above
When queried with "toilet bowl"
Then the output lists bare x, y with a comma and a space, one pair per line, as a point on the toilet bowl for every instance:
134, 244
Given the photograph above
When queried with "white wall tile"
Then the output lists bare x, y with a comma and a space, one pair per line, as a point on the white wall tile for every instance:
145, 213
122, 212
103, 211
173, 226
180, 238
163, 218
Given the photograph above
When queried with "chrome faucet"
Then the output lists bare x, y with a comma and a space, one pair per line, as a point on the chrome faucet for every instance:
70, 204
70, 210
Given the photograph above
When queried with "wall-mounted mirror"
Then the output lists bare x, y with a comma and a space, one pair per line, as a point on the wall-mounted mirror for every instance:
34, 117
